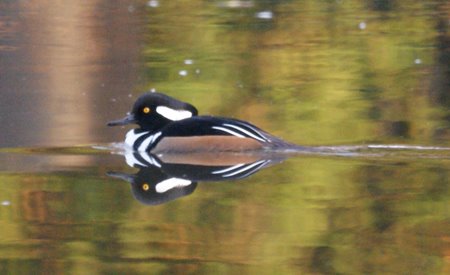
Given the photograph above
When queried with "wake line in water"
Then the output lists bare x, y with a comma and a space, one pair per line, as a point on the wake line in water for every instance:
384, 147
367, 151
405, 147
391, 151
122, 146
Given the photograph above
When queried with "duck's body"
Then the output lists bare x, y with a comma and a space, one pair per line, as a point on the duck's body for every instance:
203, 133
169, 125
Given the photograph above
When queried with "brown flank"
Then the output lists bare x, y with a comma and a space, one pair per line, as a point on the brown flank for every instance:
206, 144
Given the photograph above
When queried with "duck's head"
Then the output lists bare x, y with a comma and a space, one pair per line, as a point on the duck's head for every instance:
152, 111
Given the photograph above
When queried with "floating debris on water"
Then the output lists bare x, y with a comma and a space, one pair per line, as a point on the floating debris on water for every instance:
362, 25
153, 3
264, 15
235, 4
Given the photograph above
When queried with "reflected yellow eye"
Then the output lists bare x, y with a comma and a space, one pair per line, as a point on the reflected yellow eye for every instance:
145, 187
146, 110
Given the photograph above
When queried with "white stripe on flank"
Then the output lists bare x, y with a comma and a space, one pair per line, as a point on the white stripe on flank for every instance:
228, 131
156, 136
171, 183
244, 131
144, 144
253, 129
147, 142
254, 169
173, 114
150, 160
228, 169
256, 131
131, 138
243, 169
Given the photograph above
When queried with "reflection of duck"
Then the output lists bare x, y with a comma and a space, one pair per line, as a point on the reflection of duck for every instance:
152, 186
172, 176
169, 125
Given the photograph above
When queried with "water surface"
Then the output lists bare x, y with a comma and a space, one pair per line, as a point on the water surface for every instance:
333, 73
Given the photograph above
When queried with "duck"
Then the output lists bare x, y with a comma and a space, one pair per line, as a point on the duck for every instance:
168, 125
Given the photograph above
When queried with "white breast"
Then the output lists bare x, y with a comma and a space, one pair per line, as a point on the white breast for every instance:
131, 138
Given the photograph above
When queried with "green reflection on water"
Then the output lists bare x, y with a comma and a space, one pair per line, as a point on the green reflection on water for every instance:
313, 66
310, 214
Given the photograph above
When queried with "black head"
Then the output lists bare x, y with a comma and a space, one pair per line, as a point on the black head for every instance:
152, 186
152, 111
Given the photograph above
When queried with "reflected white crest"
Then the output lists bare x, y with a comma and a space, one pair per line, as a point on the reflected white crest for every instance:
171, 183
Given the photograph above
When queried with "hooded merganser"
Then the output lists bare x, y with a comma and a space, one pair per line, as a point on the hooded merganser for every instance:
168, 125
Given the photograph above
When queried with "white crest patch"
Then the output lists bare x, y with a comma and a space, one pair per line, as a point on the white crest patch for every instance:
171, 183
173, 114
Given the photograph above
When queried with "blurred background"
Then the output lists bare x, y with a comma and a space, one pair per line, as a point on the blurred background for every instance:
312, 72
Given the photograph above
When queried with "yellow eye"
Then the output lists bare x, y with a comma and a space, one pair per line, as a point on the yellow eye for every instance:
145, 187
146, 110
